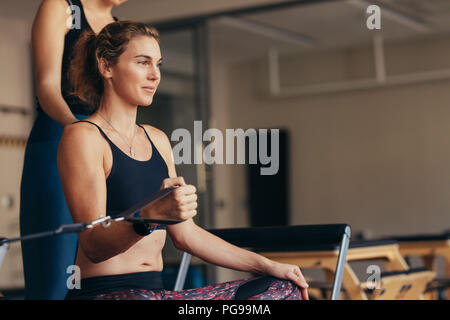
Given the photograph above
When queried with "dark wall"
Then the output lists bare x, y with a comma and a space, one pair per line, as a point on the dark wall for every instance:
269, 194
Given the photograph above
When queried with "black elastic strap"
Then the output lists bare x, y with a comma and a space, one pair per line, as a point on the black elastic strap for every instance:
254, 287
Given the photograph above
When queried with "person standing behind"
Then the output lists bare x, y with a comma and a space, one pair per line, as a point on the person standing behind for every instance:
56, 28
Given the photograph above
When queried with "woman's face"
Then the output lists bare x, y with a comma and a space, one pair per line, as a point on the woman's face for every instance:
136, 75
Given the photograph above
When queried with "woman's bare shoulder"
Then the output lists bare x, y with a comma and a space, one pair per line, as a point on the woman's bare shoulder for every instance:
55, 8
80, 128
56, 4
82, 134
157, 134
161, 141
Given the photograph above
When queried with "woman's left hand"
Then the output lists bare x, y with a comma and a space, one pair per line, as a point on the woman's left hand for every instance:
290, 272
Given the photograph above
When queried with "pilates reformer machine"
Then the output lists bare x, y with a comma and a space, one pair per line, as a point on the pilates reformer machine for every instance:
397, 282
262, 239
327, 247
287, 245
320, 247
429, 247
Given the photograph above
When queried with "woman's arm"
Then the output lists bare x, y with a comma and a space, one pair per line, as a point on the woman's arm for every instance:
80, 166
48, 32
189, 237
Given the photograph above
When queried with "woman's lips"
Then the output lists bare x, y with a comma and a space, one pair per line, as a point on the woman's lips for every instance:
149, 89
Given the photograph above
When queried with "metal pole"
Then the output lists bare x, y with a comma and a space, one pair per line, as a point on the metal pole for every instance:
3, 249
340, 266
181, 277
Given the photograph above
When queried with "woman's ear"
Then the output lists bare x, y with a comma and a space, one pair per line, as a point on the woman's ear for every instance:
104, 68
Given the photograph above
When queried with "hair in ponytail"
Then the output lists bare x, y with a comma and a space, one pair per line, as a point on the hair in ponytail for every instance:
84, 75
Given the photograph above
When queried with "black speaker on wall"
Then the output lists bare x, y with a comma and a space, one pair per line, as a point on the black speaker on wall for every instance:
269, 194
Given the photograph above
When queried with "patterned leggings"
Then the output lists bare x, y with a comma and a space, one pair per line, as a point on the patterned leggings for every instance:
260, 288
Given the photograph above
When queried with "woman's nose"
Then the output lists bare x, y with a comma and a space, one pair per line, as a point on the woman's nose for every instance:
154, 73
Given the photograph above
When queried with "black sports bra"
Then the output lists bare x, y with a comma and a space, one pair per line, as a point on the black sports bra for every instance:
132, 180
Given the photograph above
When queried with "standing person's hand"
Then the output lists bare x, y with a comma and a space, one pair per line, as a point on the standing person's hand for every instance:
180, 204
290, 272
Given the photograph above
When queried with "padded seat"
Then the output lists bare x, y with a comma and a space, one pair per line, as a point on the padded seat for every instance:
363, 244
420, 237
283, 239
410, 271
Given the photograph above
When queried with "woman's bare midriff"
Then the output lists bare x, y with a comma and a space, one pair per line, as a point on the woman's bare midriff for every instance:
145, 255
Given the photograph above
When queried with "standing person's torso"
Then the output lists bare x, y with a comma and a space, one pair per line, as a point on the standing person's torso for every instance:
79, 25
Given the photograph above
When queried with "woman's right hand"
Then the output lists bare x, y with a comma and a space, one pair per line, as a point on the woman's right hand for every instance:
180, 204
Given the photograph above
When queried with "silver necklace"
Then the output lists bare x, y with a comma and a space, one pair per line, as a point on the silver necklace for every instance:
120, 135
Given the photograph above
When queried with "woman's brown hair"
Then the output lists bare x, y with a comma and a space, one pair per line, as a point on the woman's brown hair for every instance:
110, 43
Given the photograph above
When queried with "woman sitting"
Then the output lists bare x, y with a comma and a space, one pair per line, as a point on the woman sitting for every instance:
108, 163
